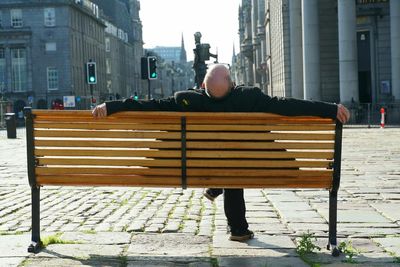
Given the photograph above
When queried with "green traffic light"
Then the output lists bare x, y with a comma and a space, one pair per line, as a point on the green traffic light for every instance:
153, 75
92, 79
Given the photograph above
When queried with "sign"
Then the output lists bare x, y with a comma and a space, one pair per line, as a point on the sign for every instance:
30, 99
69, 101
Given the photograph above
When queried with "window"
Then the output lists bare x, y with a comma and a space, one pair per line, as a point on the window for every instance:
51, 46
18, 70
2, 70
108, 45
1, 19
16, 18
108, 66
49, 17
52, 78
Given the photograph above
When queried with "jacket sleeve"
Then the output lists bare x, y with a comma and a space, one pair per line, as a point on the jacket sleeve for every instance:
166, 104
294, 107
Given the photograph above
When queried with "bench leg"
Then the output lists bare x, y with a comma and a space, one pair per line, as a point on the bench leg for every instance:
332, 243
36, 242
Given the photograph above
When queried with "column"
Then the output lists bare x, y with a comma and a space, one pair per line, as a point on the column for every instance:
311, 57
395, 45
296, 49
348, 69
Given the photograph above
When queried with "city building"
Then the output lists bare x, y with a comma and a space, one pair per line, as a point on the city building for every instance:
175, 73
123, 47
45, 45
331, 50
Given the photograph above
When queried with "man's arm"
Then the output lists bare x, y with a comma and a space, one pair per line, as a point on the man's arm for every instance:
110, 107
299, 107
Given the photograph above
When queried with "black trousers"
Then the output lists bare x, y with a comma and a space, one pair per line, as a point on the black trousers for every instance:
235, 209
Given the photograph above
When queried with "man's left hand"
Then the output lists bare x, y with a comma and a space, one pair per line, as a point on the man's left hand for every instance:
343, 114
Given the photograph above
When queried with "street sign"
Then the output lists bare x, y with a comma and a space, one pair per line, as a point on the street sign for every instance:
69, 101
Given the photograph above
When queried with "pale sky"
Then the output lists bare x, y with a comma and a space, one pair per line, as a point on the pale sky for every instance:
164, 21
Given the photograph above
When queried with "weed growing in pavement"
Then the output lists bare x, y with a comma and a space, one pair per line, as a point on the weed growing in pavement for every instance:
306, 245
92, 232
396, 259
55, 239
350, 252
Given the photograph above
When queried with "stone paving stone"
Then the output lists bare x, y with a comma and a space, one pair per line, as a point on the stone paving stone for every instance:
80, 251
261, 261
169, 245
168, 262
98, 238
57, 262
259, 241
389, 210
391, 244
13, 249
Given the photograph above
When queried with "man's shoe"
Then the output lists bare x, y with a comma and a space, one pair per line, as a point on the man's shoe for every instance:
210, 194
241, 236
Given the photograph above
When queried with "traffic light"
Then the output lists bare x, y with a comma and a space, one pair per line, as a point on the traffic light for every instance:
152, 67
91, 76
135, 96
144, 68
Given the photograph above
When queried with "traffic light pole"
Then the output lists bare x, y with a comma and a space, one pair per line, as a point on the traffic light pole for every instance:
91, 94
148, 90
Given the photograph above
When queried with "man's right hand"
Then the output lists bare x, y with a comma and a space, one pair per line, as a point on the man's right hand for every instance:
100, 111
343, 114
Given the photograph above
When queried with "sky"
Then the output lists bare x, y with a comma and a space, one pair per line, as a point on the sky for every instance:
164, 22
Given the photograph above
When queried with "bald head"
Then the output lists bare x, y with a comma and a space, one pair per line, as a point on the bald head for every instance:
217, 81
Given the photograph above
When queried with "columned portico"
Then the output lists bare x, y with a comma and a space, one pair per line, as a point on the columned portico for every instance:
395, 47
348, 75
296, 53
311, 50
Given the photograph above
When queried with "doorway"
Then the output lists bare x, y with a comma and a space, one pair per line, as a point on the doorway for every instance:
364, 66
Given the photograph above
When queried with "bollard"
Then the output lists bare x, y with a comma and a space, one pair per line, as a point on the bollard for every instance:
11, 125
382, 118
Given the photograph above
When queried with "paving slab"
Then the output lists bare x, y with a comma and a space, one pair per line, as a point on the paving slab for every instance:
169, 245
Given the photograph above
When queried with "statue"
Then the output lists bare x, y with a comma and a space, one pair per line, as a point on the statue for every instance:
201, 54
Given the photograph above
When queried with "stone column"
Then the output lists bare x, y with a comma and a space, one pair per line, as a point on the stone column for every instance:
311, 57
395, 45
348, 69
296, 49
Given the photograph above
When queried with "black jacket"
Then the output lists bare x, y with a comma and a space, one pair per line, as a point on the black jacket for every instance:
240, 99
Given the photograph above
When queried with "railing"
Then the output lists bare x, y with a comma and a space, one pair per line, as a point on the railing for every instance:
370, 114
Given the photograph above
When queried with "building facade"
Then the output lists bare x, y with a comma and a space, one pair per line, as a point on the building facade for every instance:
332, 50
44, 47
175, 73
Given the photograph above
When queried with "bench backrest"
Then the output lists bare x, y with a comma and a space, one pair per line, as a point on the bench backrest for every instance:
170, 149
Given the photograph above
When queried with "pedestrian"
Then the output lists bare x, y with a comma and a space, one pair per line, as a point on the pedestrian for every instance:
218, 94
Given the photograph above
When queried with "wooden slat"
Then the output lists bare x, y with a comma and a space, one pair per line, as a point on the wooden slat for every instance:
225, 163
171, 181
111, 162
189, 135
214, 172
100, 125
109, 153
116, 144
177, 154
107, 134
190, 144
107, 126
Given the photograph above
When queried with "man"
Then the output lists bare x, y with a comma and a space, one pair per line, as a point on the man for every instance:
220, 95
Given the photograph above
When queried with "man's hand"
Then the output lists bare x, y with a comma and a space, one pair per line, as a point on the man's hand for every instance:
100, 111
343, 114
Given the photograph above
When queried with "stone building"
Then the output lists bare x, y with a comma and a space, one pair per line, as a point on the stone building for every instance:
332, 50
44, 47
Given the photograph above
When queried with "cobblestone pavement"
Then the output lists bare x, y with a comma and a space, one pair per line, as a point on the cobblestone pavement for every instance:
117, 226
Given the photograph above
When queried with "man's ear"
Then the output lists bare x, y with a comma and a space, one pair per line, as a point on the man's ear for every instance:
203, 85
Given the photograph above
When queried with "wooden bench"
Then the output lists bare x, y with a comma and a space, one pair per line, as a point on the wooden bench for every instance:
179, 149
